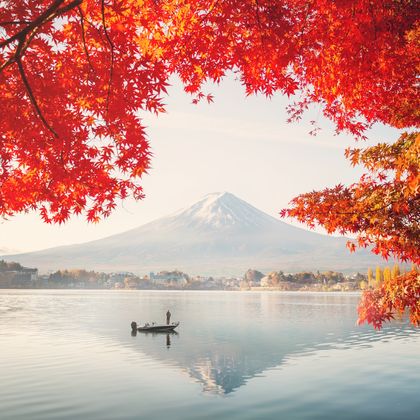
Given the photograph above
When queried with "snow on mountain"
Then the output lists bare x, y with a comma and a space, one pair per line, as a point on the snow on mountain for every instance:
223, 210
220, 234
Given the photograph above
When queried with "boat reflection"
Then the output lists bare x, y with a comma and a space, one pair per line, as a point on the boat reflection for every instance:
168, 335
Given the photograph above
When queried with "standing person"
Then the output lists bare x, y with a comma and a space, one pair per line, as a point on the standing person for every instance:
168, 317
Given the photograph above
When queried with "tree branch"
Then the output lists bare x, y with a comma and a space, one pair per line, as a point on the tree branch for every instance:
38, 21
50, 13
257, 15
53, 11
362, 212
14, 22
29, 89
82, 24
111, 70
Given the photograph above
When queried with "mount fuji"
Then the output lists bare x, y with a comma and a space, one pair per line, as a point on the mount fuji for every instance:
219, 235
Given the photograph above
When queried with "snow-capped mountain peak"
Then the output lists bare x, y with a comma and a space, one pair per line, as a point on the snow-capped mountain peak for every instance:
222, 210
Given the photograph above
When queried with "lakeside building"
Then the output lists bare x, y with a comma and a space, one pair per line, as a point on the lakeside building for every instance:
25, 277
169, 277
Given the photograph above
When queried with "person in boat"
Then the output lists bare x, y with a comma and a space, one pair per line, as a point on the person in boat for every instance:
168, 317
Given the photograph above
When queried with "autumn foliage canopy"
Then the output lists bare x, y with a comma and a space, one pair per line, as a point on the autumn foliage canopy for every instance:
76, 77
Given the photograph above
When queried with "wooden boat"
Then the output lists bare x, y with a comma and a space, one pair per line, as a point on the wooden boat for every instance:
154, 327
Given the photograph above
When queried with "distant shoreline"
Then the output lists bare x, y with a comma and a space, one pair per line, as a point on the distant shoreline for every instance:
252, 290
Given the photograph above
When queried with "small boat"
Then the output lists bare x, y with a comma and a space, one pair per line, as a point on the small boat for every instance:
154, 327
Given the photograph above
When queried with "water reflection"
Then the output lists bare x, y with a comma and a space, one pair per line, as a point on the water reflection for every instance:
69, 354
225, 338
168, 334
225, 351
224, 366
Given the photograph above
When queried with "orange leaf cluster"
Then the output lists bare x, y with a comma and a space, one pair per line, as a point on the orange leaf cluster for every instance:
382, 209
393, 296
77, 75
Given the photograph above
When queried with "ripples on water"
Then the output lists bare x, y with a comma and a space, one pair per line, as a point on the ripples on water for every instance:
70, 354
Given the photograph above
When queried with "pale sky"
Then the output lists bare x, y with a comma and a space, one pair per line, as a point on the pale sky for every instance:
238, 144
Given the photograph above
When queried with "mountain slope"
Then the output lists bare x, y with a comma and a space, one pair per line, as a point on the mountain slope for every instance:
220, 234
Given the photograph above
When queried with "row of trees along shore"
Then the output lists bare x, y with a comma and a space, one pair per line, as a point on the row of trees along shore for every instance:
380, 275
78, 76
14, 275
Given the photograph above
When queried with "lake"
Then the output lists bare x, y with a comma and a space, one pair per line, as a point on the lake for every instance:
70, 354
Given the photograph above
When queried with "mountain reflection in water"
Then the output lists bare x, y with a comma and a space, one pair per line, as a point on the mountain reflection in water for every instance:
68, 354
260, 332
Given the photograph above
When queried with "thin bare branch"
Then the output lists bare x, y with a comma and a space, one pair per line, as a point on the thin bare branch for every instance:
51, 12
70, 6
21, 34
24, 40
111, 45
386, 206
32, 29
257, 15
29, 90
22, 46
15, 22
82, 24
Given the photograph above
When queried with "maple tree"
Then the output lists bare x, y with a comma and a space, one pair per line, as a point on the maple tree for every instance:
382, 209
76, 77
393, 296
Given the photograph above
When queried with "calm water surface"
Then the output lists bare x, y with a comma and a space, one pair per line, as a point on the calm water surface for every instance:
71, 355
